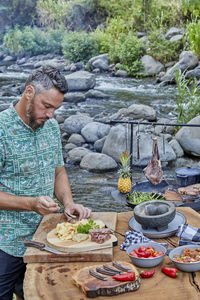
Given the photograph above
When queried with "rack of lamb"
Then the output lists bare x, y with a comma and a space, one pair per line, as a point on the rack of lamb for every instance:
153, 170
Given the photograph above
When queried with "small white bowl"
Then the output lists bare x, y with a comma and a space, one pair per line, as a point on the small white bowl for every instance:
186, 267
147, 262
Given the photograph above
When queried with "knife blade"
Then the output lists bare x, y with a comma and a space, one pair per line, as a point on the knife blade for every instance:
41, 246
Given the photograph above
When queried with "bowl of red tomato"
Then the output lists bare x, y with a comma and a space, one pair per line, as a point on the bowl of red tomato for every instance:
146, 255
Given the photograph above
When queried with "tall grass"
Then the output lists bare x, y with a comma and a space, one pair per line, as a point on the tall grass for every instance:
188, 101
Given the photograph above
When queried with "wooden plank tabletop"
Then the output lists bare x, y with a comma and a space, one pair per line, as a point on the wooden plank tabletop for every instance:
53, 281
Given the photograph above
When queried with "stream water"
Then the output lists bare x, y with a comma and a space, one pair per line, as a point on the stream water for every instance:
92, 189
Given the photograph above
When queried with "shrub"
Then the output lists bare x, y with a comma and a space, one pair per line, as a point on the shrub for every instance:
80, 46
188, 101
193, 37
162, 49
127, 50
32, 41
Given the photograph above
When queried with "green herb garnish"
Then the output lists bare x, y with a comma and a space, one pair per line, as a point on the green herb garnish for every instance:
85, 228
139, 197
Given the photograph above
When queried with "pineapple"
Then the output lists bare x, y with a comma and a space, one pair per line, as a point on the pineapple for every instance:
124, 182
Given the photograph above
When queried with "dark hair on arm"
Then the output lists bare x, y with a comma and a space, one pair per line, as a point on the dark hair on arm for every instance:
46, 78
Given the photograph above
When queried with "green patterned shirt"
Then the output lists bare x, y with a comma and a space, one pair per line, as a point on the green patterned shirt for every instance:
27, 168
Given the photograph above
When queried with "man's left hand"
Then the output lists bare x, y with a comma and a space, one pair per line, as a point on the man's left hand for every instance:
77, 209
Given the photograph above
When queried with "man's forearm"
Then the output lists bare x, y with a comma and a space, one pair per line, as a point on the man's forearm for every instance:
62, 187
13, 202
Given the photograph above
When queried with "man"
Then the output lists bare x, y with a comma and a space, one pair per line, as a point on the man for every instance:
31, 172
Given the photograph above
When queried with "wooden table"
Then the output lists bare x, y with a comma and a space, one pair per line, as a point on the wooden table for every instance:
52, 281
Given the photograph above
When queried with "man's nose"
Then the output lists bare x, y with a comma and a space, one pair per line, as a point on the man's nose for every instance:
50, 113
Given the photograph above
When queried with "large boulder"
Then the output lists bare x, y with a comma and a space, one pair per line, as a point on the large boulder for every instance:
94, 131
76, 154
80, 81
98, 162
187, 61
75, 123
151, 66
118, 140
138, 111
189, 138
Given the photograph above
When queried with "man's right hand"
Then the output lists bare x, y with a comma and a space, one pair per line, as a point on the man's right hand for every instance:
44, 205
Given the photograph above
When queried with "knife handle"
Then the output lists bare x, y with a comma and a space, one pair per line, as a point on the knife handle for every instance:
34, 244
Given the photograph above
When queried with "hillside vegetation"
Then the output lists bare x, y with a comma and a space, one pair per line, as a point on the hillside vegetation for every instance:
80, 29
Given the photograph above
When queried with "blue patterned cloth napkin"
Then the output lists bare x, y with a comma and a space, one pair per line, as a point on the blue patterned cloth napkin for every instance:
188, 235
135, 237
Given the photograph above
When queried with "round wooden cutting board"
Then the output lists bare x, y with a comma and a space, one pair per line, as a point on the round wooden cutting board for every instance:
74, 247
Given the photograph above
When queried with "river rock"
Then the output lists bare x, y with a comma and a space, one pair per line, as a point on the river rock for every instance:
75, 155
98, 162
80, 81
189, 138
99, 62
55, 62
139, 111
173, 31
69, 146
75, 97
195, 73
98, 145
94, 131
187, 60
151, 66
116, 143
75, 123
176, 147
121, 73
76, 139
96, 94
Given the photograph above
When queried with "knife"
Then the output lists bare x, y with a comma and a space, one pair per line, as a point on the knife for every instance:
41, 246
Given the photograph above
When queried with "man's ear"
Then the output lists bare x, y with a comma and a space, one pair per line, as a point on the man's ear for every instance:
29, 92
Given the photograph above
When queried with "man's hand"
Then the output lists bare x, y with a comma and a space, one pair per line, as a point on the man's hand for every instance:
77, 209
44, 205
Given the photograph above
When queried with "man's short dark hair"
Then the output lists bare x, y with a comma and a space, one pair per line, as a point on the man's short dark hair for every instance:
45, 78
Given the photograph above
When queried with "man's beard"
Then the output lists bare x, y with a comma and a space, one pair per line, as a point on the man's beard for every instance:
32, 121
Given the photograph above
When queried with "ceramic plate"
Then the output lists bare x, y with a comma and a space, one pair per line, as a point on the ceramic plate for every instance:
153, 233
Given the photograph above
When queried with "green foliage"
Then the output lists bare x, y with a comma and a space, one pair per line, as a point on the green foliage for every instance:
129, 50
20, 12
188, 101
80, 46
32, 41
193, 36
52, 13
162, 49
191, 7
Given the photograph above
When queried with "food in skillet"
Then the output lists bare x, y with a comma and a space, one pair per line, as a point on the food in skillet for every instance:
188, 255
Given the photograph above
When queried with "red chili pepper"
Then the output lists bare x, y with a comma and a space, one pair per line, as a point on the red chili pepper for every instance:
172, 272
130, 276
147, 274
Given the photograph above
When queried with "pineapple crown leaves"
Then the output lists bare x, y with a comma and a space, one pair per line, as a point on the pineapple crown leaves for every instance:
125, 170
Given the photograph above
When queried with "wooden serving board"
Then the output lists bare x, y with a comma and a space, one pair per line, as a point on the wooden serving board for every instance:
93, 287
74, 247
49, 222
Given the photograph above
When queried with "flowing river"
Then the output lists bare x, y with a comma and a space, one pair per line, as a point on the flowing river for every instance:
92, 189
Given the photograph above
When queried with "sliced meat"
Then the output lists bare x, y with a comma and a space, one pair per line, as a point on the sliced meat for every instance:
100, 235
190, 190
153, 171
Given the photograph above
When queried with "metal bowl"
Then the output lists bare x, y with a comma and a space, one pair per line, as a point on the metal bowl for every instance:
186, 267
146, 262
154, 218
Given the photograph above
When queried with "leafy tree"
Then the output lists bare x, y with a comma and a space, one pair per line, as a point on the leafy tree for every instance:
21, 12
